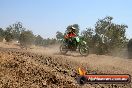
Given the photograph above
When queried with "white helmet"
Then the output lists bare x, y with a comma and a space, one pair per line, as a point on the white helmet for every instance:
73, 27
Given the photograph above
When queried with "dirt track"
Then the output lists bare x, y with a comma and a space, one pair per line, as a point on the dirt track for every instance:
45, 67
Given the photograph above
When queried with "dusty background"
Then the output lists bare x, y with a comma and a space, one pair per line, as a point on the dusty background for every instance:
45, 67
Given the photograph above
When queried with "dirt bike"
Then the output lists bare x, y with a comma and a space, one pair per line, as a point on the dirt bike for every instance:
79, 45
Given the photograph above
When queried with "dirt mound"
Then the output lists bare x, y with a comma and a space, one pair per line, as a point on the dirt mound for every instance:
24, 70
46, 68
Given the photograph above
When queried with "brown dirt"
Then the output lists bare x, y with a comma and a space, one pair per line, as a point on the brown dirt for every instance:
45, 67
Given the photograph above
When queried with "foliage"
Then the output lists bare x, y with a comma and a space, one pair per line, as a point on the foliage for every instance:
38, 40
13, 31
17, 28
2, 33
49, 41
26, 38
8, 34
107, 36
129, 47
59, 35
88, 36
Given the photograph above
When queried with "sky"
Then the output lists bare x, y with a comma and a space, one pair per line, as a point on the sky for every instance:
46, 17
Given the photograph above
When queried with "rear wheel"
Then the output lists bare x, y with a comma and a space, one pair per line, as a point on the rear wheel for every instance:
84, 50
63, 49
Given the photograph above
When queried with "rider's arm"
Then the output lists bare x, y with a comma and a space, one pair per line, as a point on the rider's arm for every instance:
66, 36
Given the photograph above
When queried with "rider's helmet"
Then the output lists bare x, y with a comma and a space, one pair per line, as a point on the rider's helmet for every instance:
72, 29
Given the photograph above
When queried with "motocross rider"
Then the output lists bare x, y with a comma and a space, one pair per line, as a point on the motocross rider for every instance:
70, 36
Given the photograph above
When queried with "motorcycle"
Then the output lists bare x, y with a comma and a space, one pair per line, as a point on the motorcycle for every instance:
78, 45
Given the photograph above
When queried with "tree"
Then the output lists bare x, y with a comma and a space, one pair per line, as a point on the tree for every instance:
111, 35
106, 36
59, 35
13, 31
38, 40
2, 33
129, 48
8, 34
17, 29
26, 38
87, 35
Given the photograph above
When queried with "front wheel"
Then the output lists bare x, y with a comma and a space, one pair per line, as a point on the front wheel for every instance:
63, 49
84, 50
